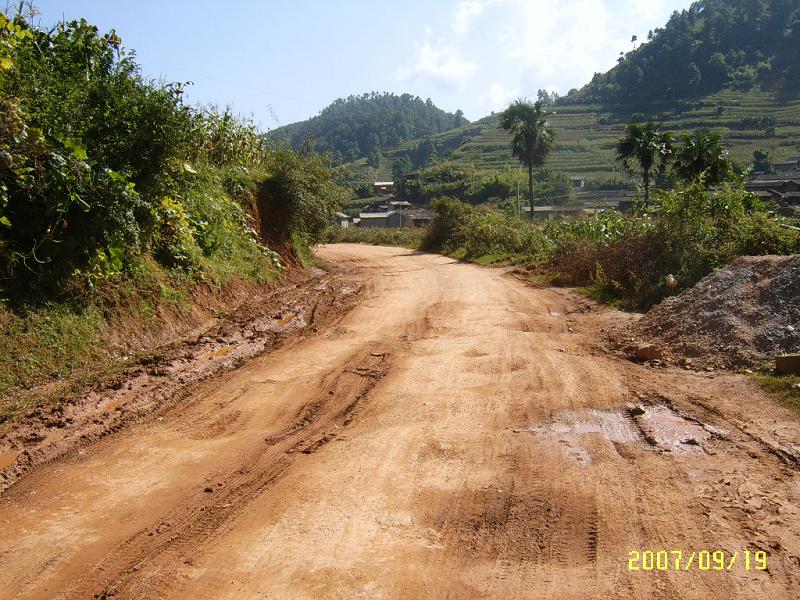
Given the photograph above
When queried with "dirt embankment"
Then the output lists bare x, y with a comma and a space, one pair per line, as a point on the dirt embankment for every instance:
740, 316
186, 352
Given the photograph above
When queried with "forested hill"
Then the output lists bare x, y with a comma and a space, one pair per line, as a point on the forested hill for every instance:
713, 45
362, 126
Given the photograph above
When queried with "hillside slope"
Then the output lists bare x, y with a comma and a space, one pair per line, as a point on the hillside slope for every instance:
713, 45
587, 133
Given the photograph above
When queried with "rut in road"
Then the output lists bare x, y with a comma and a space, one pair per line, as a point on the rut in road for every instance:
319, 421
457, 435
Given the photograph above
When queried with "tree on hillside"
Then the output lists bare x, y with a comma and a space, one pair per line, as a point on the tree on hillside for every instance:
702, 153
646, 148
762, 160
532, 137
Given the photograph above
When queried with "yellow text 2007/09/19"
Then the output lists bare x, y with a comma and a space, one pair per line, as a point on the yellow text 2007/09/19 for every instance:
699, 560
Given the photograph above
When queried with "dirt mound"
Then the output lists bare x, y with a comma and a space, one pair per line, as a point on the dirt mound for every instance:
742, 315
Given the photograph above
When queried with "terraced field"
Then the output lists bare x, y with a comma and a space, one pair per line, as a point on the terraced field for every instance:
587, 133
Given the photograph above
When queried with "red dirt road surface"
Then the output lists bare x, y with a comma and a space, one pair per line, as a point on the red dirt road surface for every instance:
456, 435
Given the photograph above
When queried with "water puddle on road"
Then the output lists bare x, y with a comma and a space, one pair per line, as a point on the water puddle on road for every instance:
658, 425
668, 430
615, 426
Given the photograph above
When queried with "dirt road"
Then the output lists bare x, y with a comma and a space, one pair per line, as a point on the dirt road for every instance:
457, 435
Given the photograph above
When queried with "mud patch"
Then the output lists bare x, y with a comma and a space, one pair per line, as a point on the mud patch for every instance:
8, 458
615, 426
668, 430
161, 380
659, 426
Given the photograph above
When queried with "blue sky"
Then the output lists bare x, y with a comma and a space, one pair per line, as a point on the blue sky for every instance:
282, 61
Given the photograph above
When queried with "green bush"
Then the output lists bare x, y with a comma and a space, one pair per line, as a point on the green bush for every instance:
300, 196
694, 231
449, 215
100, 167
484, 233
691, 231
405, 237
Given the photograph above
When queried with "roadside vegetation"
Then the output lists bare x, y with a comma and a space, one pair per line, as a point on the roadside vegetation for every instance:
622, 259
118, 199
407, 237
783, 387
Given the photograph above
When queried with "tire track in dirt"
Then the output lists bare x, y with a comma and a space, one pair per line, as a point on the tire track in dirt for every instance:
341, 395
458, 435
186, 529
172, 376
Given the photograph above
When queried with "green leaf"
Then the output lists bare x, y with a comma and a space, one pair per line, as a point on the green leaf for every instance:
6, 64
83, 204
78, 149
5, 222
189, 168
115, 255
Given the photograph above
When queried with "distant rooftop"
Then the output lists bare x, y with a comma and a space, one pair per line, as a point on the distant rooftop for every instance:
377, 215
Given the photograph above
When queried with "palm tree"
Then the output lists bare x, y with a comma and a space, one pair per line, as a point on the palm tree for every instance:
702, 153
648, 147
532, 138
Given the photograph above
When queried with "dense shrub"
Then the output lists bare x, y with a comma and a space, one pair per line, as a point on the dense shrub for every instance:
99, 166
692, 231
299, 197
444, 232
485, 233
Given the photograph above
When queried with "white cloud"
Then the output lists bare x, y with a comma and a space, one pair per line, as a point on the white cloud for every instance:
440, 63
498, 98
559, 41
465, 14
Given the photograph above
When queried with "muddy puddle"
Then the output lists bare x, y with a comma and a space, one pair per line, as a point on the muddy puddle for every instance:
656, 426
615, 426
669, 430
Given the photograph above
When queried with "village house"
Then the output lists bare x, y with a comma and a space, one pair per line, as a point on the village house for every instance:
792, 164
783, 188
343, 220
380, 220
383, 187
384, 212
